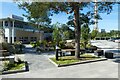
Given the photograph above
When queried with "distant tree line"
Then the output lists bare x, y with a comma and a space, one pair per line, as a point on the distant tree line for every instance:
112, 33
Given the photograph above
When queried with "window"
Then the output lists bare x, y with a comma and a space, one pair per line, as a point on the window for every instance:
6, 23
33, 39
15, 39
25, 38
11, 24
6, 39
21, 39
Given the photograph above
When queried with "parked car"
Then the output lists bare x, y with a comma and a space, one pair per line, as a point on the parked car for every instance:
112, 39
117, 40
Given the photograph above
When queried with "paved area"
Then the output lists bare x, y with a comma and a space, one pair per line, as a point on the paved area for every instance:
103, 69
108, 46
104, 44
41, 67
36, 60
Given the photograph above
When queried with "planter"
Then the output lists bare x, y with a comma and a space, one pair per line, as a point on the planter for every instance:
81, 62
89, 50
109, 55
82, 51
99, 52
24, 69
72, 53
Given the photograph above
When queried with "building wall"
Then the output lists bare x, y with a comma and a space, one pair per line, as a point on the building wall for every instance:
29, 34
21, 35
18, 30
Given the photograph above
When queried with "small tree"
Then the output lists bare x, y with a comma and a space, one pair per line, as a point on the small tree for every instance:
85, 34
57, 33
65, 35
94, 34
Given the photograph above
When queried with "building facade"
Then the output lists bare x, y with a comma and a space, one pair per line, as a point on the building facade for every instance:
16, 29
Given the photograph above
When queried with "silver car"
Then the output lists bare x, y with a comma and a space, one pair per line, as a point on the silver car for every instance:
117, 40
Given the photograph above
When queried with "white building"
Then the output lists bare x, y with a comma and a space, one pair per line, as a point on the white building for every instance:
15, 29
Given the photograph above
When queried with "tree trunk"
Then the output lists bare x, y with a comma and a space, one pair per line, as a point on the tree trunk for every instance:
77, 32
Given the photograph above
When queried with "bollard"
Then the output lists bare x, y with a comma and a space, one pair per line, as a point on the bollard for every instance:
26, 66
109, 55
56, 54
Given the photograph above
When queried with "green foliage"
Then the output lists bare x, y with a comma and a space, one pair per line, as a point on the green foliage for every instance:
94, 34
65, 60
88, 56
57, 33
61, 33
5, 46
42, 11
72, 59
66, 35
16, 66
18, 48
37, 12
62, 44
112, 33
85, 34
38, 44
67, 32
12, 49
33, 44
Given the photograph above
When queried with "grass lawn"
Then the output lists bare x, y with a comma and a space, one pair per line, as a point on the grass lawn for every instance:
15, 66
71, 59
18, 66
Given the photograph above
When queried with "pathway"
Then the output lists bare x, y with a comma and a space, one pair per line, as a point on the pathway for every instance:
37, 61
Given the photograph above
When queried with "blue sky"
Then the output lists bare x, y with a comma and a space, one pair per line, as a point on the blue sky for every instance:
108, 22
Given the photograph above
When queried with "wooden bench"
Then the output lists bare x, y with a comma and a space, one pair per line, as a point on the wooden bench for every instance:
71, 51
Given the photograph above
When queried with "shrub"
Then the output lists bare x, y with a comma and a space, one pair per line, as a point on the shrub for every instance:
62, 44
19, 61
18, 48
33, 44
5, 46
7, 66
12, 49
